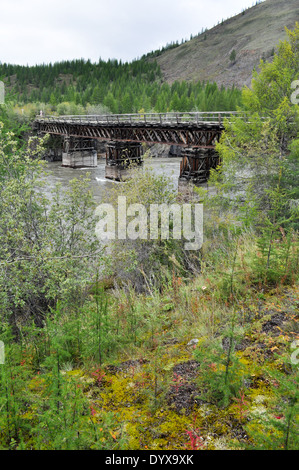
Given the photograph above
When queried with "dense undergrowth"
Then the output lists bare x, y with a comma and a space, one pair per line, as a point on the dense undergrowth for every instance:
192, 361
179, 369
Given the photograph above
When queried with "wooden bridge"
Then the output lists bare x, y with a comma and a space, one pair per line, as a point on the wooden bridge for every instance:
196, 132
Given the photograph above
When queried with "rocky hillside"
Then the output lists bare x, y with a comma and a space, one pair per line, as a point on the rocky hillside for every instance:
252, 34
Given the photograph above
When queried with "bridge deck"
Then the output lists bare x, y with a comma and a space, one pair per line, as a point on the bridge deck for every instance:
193, 118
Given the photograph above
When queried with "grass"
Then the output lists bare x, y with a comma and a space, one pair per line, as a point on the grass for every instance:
148, 391
157, 407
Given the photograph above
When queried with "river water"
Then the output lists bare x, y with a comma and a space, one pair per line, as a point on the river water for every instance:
99, 184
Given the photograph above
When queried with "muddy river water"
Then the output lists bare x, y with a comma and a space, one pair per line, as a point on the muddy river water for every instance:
99, 184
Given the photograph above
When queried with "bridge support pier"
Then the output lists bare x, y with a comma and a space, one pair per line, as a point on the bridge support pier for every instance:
78, 153
53, 149
120, 158
197, 163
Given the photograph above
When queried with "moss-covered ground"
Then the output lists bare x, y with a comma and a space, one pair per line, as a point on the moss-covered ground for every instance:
188, 371
156, 394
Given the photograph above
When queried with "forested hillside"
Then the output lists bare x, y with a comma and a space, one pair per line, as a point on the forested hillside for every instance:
74, 87
253, 35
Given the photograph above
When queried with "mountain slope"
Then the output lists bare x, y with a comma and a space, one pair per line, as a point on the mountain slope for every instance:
252, 34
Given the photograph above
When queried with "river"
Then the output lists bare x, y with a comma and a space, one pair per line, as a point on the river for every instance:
99, 184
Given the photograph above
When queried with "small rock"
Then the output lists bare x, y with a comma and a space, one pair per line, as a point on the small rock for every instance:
193, 342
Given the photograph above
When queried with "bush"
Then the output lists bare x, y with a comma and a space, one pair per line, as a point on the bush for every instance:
146, 263
47, 248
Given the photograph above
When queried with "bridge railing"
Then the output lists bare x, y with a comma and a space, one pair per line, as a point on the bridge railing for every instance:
146, 118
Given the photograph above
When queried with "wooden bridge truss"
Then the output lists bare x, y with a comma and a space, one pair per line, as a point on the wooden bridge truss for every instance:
73, 144
123, 154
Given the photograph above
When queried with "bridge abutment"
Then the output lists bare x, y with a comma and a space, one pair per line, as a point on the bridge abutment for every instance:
78, 153
121, 157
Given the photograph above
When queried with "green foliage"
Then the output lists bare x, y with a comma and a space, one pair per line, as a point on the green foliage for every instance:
277, 257
221, 372
46, 248
271, 91
11, 122
47, 409
258, 178
233, 56
278, 429
143, 262
292, 175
